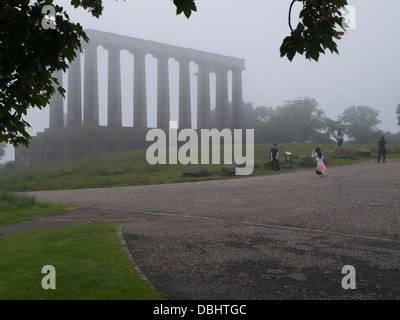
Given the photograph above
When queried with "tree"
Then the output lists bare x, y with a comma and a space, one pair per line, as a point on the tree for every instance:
330, 127
298, 120
391, 138
252, 116
249, 116
36, 41
29, 54
320, 22
301, 120
360, 123
398, 114
263, 113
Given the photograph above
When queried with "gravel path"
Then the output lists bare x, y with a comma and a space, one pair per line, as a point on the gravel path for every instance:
285, 236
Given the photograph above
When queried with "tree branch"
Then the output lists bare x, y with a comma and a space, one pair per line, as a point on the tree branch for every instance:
290, 13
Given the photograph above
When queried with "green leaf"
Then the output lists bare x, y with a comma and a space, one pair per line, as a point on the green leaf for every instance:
185, 6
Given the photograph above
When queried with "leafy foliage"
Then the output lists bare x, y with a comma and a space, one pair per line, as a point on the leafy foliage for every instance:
316, 30
29, 54
185, 6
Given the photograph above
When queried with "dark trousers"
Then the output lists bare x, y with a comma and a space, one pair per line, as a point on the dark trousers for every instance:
380, 155
340, 142
318, 172
277, 164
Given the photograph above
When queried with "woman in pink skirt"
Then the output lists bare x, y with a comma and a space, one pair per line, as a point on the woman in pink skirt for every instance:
319, 157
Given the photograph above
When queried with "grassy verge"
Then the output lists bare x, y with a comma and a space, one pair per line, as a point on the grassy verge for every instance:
14, 208
131, 168
88, 260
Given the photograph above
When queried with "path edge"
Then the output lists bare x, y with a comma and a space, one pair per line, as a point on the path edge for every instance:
136, 268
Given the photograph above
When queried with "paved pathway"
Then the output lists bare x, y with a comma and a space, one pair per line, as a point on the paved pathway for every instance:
286, 236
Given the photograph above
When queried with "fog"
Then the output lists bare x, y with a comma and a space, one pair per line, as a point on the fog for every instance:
364, 73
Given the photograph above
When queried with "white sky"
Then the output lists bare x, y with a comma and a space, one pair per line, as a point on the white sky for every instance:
365, 73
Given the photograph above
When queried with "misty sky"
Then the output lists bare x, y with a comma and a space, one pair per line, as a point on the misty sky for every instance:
365, 73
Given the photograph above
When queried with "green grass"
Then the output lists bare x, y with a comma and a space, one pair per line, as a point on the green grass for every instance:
131, 168
88, 260
14, 208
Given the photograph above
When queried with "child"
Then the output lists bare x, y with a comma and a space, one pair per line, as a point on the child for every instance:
321, 167
274, 153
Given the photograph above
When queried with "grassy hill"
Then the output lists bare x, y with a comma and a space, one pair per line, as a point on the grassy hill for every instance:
131, 168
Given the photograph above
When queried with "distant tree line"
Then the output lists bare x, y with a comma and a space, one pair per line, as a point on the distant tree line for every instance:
302, 120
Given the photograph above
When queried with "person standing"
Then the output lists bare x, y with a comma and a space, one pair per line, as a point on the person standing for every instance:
319, 157
274, 153
382, 149
339, 137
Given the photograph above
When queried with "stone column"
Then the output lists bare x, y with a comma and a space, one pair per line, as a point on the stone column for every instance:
222, 104
237, 99
74, 117
139, 90
91, 94
203, 96
163, 105
114, 108
56, 105
185, 112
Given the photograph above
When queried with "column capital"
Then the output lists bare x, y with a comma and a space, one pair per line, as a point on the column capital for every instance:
218, 68
136, 52
221, 68
237, 69
181, 59
90, 45
161, 56
203, 63
111, 48
203, 67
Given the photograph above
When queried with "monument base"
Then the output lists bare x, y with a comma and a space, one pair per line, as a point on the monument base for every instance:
74, 142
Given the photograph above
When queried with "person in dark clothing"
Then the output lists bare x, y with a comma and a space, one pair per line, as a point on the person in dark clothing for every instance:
274, 153
382, 149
